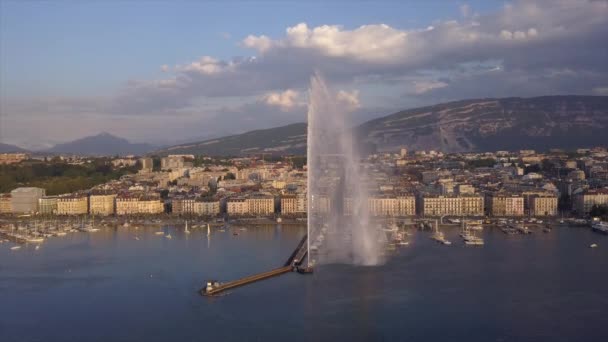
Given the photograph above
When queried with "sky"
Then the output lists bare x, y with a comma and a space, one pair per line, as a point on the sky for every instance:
164, 72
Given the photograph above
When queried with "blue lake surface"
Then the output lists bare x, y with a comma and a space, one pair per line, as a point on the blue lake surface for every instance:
108, 286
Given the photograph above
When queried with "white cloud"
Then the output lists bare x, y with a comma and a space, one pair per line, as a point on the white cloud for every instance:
205, 65
286, 100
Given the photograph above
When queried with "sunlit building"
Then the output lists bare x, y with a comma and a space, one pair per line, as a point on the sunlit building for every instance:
73, 204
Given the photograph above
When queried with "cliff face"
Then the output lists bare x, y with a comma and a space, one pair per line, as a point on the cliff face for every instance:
494, 124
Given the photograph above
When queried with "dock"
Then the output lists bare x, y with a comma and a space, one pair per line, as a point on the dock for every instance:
295, 259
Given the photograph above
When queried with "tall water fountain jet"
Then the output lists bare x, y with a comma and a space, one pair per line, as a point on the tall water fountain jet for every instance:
339, 227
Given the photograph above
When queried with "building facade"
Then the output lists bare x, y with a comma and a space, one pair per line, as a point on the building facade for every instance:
136, 204
25, 200
237, 206
5, 204
583, 202
502, 204
74, 204
102, 204
289, 204
543, 205
260, 205
206, 207
47, 205
183, 205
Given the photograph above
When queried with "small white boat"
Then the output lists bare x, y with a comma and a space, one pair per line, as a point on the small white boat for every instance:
14, 248
593, 245
37, 247
160, 233
168, 236
137, 238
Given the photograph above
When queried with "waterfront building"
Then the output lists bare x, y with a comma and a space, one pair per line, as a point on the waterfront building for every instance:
391, 206
289, 204
207, 207
472, 205
47, 205
441, 205
183, 205
73, 204
465, 205
137, 203
25, 200
237, 206
583, 202
260, 204
5, 204
504, 204
543, 205
103, 204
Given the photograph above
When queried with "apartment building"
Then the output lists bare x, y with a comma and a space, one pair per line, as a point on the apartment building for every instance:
184, 205
47, 205
134, 204
583, 202
102, 204
73, 204
260, 204
543, 205
207, 207
237, 206
5, 204
504, 204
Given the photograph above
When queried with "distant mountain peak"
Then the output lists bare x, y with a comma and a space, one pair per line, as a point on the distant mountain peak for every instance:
103, 143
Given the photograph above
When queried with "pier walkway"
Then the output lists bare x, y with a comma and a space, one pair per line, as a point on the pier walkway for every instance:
294, 260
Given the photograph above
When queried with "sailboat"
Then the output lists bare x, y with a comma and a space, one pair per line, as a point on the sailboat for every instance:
186, 229
438, 236
208, 230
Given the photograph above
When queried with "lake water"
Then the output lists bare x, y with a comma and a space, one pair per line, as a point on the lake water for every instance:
108, 286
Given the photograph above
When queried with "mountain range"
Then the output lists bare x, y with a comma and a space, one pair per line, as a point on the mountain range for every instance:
100, 144
7, 148
461, 126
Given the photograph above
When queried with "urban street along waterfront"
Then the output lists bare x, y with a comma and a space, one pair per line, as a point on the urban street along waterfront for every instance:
129, 284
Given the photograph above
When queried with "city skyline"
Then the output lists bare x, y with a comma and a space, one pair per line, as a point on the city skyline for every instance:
164, 73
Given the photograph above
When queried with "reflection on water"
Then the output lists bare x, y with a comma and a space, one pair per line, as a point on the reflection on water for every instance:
110, 286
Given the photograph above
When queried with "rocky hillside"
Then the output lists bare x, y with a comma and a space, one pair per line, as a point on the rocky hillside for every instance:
290, 139
469, 125
495, 124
